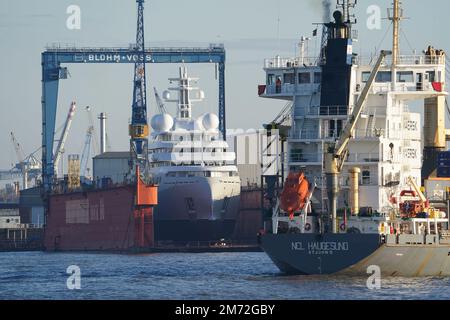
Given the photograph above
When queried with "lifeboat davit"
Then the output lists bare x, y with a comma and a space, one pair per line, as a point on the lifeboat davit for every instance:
295, 193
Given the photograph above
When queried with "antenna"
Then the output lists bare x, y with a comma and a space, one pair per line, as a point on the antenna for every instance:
346, 5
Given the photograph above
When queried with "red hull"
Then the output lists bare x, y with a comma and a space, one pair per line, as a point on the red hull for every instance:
98, 220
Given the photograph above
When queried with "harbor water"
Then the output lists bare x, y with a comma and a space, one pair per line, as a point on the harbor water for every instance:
186, 276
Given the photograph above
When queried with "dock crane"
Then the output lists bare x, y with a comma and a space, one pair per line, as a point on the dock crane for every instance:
90, 135
62, 141
27, 164
86, 151
138, 128
336, 153
93, 133
159, 102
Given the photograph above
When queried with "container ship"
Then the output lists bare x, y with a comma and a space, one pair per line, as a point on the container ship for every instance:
352, 198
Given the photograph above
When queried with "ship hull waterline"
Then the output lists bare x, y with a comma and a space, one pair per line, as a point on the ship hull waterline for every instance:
354, 254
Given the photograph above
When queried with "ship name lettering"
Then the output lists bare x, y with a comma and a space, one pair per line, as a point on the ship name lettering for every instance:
328, 247
297, 246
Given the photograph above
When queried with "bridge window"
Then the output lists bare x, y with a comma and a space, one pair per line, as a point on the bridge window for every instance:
304, 77
270, 79
289, 78
405, 76
382, 76
365, 177
431, 76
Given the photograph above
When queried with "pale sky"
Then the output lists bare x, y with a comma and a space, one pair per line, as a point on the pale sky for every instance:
251, 30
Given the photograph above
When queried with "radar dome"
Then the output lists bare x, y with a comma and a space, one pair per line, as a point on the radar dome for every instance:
166, 95
210, 121
198, 124
162, 122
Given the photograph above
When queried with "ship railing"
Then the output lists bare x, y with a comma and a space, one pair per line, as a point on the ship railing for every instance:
407, 87
404, 60
288, 88
344, 180
363, 157
328, 111
369, 134
334, 134
298, 62
300, 157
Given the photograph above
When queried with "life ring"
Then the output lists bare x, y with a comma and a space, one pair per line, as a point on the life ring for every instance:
307, 227
342, 227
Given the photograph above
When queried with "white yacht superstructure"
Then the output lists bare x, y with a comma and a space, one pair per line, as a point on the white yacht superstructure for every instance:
199, 185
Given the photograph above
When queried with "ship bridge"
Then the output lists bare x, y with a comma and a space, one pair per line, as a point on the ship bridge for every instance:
418, 77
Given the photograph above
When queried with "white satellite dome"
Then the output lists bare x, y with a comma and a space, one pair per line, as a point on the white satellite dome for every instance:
166, 95
198, 124
210, 121
162, 122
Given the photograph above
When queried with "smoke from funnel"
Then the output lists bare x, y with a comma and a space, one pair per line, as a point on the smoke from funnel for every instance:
324, 6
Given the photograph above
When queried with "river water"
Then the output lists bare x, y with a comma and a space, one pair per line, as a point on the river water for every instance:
206, 276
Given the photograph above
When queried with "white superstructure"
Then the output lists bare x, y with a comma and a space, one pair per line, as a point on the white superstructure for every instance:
197, 177
387, 143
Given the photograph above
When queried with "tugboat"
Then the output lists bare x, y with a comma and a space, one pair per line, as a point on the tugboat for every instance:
351, 116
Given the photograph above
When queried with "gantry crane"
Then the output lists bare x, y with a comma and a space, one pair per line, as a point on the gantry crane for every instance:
54, 68
336, 152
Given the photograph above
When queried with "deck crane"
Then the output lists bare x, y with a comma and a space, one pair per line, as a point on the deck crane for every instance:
91, 125
336, 153
86, 151
420, 204
90, 135
62, 141
138, 128
27, 164
159, 102
21, 165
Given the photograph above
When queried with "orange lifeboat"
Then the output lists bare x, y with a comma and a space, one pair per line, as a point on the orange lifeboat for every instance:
295, 193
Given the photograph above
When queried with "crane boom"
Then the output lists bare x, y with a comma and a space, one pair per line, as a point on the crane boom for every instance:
86, 151
62, 141
17, 148
91, 124
416, 188
347, 133
159, 102
336, 153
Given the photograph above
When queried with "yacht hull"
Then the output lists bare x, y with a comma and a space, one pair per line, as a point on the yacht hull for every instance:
197, 208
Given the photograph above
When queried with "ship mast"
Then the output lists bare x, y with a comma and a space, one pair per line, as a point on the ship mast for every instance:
395, 18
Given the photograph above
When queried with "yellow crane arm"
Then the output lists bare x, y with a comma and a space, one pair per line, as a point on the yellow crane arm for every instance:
416, 188
347, 133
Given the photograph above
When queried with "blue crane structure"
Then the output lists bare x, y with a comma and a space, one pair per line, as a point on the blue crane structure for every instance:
53, 70
139, 127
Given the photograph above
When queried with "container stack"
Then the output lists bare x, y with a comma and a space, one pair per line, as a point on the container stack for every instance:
443, 167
